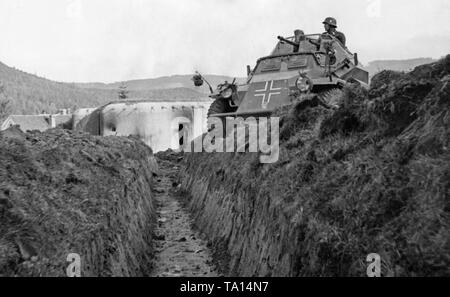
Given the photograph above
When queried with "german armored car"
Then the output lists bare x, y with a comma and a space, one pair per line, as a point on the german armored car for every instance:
316, 63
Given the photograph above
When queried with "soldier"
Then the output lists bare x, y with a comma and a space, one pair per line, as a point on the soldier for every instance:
299, 37
330, 28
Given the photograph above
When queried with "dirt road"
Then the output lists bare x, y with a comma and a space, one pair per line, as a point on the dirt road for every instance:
179, 249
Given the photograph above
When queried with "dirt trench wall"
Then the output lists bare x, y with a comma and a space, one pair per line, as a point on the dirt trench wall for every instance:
370, 177
250, 232
67, 192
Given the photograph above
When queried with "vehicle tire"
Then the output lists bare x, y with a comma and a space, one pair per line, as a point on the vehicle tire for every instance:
331, 98
220, 106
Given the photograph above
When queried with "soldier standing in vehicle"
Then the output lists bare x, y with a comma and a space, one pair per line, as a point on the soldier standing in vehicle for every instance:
330, 28
299, 37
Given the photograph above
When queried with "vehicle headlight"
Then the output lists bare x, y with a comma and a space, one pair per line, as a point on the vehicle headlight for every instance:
227, 93
303, 84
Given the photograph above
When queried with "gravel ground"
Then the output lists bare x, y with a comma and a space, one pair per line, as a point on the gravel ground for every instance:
180, 252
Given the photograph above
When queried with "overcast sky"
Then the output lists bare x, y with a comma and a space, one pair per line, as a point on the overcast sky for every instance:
114, 40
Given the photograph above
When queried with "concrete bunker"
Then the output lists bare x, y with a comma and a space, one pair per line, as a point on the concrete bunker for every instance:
161, 125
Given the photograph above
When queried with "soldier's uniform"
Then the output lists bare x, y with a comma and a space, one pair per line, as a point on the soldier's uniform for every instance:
332, 31
339, 36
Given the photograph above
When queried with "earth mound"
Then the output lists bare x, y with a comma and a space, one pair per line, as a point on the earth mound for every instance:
370, 177
64, 192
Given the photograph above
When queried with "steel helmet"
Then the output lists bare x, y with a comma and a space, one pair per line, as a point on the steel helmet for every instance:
330, 21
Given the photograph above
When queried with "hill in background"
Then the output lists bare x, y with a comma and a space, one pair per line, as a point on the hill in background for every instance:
184, 81
165, 82
377, 66
31, 94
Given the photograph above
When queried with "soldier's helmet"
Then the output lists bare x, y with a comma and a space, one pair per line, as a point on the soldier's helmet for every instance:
299, 33
330, 21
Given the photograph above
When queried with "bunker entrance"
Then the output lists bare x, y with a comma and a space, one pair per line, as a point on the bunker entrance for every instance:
183, 134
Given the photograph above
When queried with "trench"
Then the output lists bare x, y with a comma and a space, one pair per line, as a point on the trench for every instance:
179, 249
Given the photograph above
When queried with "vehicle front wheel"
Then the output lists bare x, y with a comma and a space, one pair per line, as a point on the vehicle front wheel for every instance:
219, 106
332, 97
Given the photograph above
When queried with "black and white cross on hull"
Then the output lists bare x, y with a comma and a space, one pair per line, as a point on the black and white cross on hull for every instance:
267, 92
262, 98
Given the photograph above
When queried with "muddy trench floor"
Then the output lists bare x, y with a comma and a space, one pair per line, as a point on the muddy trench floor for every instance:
179, 249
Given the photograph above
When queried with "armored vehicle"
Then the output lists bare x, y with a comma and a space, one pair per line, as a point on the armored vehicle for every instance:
303, 64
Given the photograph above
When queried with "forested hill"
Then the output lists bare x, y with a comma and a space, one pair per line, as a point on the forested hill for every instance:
30, 94
165, 82
377, 66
